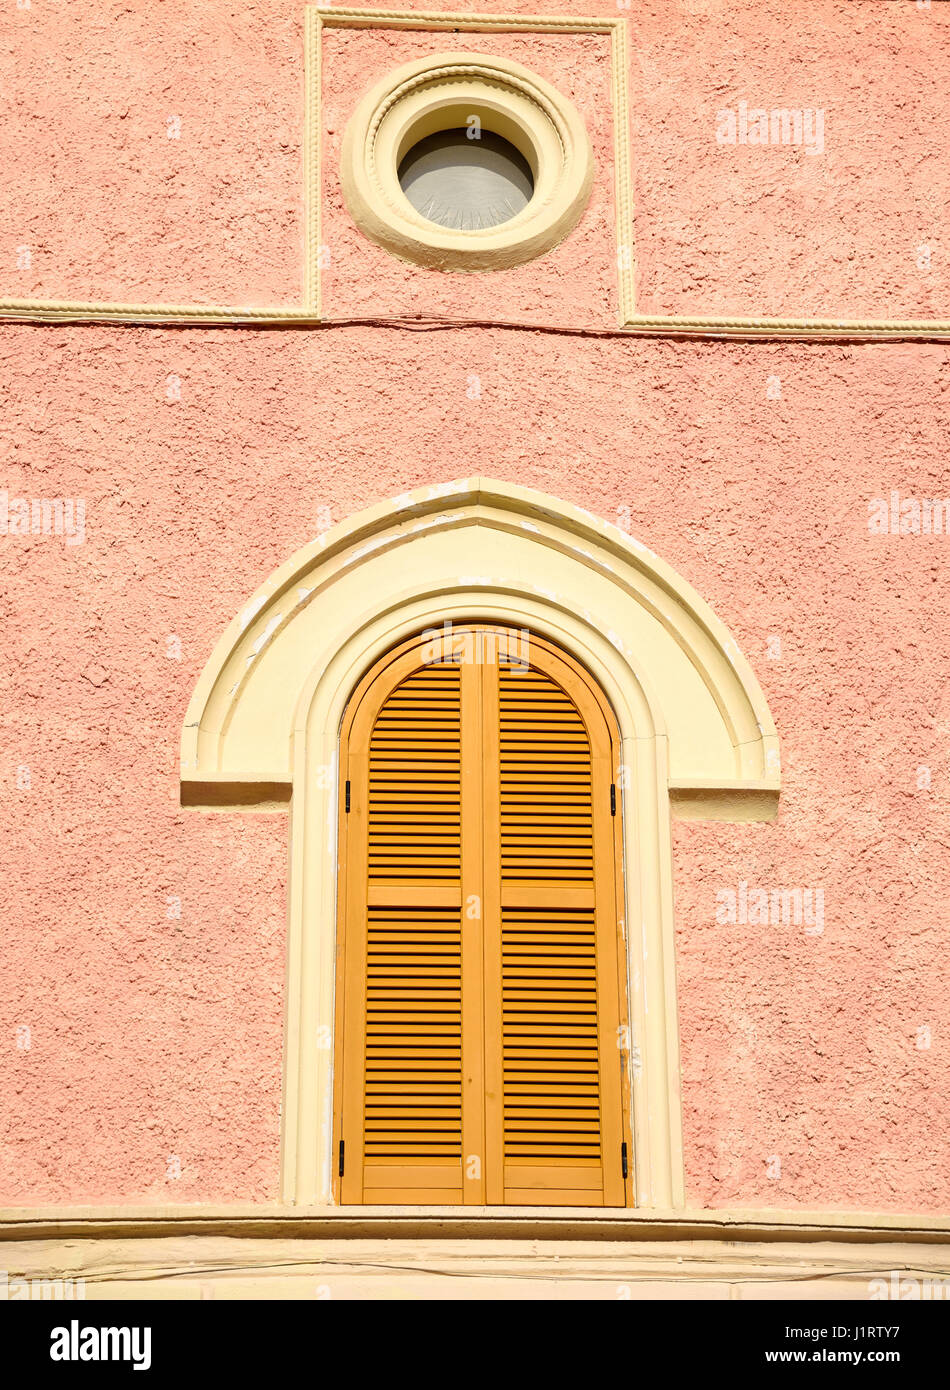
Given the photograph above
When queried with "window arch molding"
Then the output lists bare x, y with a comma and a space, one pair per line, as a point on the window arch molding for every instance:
263, 726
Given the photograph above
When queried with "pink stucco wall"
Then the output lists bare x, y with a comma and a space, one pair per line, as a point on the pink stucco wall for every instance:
111, 207
155, 1036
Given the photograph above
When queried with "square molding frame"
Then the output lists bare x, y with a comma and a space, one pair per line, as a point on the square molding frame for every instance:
615, 29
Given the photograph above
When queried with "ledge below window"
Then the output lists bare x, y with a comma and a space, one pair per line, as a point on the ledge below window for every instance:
454, 1223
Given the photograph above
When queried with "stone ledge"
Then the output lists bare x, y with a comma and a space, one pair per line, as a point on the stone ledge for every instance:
459, 1223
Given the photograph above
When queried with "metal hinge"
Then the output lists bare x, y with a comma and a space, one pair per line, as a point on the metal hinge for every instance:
623, 1158
347, 797
613, 798
340, 1166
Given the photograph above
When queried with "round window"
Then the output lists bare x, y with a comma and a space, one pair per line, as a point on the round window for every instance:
466, 162
466, 179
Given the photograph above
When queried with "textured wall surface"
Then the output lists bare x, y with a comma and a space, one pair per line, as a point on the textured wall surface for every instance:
155, 1036
142, 947
109, 207
152, 151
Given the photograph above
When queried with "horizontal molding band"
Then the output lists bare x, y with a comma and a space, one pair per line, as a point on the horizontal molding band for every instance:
433, 19
448, 1223
228, 316
850, 330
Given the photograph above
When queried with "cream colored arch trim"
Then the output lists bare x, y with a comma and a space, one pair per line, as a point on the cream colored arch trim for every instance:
263, 725
491, 537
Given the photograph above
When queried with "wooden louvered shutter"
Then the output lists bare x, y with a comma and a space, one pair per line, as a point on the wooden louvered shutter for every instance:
403, 1097
553, 996
481, 1003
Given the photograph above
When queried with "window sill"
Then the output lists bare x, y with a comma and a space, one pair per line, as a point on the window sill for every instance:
484, 1223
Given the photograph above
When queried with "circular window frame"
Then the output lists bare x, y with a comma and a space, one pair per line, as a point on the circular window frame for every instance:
443, 92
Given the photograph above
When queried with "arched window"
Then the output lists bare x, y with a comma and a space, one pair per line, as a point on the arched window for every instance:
609, 622
481, 985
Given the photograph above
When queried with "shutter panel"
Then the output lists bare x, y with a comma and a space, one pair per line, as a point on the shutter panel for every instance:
404, 1125
556, 959
481, 999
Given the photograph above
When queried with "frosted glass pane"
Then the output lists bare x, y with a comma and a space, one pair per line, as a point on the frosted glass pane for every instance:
466, 184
